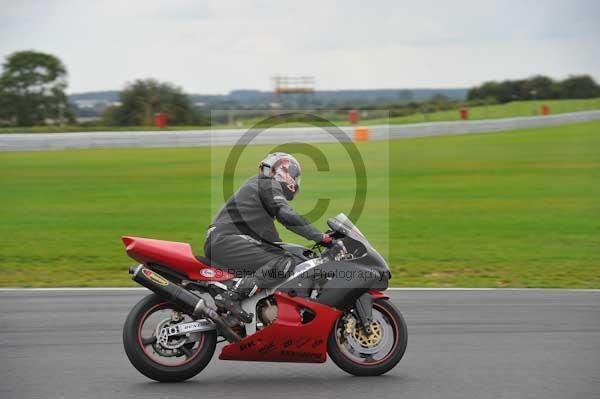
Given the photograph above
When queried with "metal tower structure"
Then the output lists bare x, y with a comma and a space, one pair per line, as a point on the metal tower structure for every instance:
291, 85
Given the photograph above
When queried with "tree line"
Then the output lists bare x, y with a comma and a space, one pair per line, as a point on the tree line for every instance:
32, 92
141, 100
33, 84
32, 89
536, 88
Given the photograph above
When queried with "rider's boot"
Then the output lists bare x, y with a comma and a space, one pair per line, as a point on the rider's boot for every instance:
231, 299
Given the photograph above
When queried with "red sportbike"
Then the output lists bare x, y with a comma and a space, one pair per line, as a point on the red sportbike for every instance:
332, 304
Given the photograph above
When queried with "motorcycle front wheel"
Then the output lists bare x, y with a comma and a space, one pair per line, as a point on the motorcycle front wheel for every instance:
172, 360
368, 355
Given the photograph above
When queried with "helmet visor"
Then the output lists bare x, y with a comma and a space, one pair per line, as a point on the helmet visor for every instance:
287, 171
294, 172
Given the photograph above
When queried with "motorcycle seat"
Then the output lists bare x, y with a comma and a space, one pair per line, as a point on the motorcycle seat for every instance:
206, 261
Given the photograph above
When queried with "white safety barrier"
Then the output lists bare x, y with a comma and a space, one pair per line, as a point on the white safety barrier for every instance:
221, 137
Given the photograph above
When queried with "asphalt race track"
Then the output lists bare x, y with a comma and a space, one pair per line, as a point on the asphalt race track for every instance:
462, 344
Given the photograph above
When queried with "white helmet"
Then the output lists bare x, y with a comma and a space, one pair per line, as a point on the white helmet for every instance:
285, 169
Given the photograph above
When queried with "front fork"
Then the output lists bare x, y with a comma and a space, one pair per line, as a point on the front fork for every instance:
364, 312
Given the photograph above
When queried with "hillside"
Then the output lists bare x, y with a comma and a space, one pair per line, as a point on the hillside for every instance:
256, 99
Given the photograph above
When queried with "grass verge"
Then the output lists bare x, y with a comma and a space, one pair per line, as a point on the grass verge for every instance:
510, 209
496, 111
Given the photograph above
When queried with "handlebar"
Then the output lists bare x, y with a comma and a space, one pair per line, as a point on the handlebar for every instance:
332, 251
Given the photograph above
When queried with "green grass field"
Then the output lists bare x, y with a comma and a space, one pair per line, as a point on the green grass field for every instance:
511, 209
508, 110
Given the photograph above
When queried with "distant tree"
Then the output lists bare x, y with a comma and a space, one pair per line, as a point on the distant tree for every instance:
537, 87
486, 90
32, 88
6, 117
540, 87
110, 116
582, 86
142, 99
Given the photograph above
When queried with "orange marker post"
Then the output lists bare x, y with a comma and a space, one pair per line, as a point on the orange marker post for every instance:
361, 134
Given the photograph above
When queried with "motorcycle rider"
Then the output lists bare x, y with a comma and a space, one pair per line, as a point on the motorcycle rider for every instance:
242, 237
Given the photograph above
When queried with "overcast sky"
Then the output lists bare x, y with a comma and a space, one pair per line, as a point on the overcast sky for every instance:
217, 46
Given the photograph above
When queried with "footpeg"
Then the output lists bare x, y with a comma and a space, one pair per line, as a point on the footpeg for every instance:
224, 327
230, 302
246, 317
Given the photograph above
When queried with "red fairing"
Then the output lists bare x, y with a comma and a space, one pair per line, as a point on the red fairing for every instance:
174, 255
287, 339
378, 294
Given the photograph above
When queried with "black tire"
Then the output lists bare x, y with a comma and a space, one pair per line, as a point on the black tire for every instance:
147, 366
390, 361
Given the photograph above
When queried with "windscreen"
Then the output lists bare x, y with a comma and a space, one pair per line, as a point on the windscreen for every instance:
344, 221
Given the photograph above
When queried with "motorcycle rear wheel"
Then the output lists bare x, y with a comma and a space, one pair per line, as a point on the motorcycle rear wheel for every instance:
144, 354
362, 355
